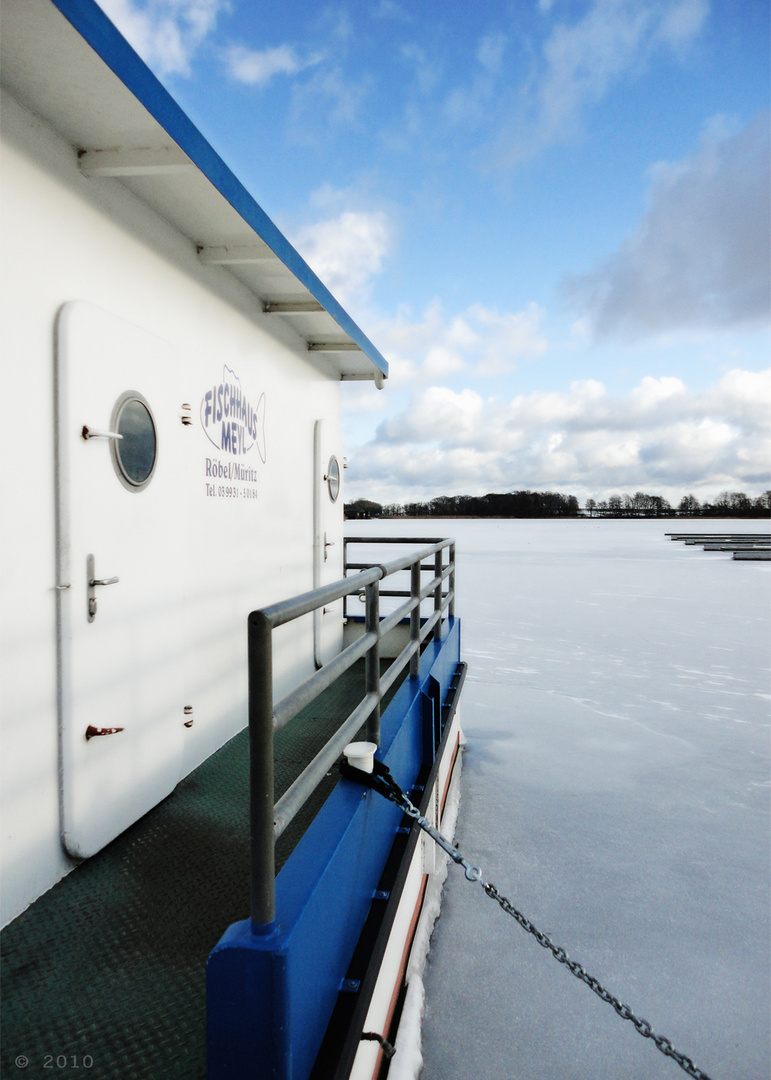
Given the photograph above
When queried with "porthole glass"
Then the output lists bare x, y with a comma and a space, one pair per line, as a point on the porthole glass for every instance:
136, 454
333, 479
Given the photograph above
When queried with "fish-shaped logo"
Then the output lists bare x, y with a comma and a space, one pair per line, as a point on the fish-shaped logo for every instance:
230, 421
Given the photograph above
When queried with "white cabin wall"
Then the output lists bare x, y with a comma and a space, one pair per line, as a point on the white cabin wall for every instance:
65, 238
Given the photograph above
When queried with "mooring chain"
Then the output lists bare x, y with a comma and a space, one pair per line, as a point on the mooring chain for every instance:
382, 781
642, 1026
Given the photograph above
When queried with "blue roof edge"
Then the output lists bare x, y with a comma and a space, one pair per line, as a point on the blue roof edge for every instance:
105, 39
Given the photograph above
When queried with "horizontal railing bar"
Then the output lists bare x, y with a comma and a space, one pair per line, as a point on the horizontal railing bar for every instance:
425, 567
445, 541
295, 797
390, 621
287, 610
391, 674
446, 570
430, 623
357, 565
269, 821
425, 592
303, 695
406, 561
430, 586
428, 589
399, 592
405, 609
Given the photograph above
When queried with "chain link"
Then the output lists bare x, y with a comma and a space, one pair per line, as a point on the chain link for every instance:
559, 954
394, 793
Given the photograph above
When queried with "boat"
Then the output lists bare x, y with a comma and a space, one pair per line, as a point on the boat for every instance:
189, 641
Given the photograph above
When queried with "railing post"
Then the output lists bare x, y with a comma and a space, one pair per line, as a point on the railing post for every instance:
345, 574
263, 871
451, 608
415, 616
438, 593
372, 659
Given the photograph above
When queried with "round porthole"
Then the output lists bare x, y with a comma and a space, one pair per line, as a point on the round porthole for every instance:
134, 455
333, 478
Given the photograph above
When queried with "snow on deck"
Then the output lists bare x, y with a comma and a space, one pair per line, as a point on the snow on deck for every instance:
616, 789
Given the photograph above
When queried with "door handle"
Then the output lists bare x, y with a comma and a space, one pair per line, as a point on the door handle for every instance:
98, 433
93, 584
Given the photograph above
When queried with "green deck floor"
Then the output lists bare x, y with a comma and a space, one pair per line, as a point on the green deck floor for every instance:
109, 965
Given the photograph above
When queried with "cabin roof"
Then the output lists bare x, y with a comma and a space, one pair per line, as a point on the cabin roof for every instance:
65, 61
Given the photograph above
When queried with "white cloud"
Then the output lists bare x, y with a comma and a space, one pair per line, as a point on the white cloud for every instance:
471, 104
682, 21
165, 33
346, 251
742, 397
257, 68
506, 337
328, 99
660, 438
387, 9
656, 394
441, 361
490, 52
427, 71
700, 257
582, 61
477, 338
437, 415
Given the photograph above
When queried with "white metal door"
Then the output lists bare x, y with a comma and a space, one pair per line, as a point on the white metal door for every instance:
327, 541
119, 611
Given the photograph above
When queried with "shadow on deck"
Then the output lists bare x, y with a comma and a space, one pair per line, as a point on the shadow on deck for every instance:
107, 969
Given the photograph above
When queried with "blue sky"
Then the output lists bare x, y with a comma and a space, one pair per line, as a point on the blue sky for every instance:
550, 216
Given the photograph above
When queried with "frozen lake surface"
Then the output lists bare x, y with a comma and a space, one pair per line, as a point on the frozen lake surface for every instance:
616, 789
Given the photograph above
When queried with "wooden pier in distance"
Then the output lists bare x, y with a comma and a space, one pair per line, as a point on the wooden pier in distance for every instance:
754, 547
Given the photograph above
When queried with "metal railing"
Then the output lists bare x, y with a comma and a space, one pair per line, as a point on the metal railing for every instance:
268, 821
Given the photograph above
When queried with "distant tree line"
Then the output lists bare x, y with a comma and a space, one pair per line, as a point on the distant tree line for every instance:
550, 504
511, 504
727, 504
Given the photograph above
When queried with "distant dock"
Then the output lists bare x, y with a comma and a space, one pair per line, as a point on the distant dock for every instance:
754, 547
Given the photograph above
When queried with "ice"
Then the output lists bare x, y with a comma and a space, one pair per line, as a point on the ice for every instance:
616, 789
408, 1062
